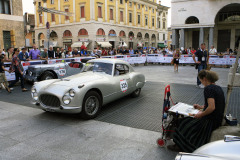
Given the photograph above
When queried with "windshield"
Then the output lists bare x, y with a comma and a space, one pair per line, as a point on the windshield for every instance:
100, 67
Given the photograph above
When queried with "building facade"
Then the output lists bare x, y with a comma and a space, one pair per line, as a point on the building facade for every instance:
12, 26
117, 22
215, 22
29, 29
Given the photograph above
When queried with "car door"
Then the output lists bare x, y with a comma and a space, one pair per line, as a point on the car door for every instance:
122, 81
74, 68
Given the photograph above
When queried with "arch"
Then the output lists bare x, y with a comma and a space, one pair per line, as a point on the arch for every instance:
41, 38
131, 34
67, 33
228, 13
146, 36
100, 32
53, 34
122, 34
83, 32
139, 35
153, 36
192, 20
112, 33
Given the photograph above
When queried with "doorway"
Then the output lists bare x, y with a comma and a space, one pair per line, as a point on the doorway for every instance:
112, 43
195, 40
224, 39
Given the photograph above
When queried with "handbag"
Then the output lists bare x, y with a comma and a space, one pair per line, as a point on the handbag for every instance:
172, 62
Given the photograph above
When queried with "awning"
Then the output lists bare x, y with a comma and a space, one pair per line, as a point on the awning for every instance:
123, 44
51, 43
79, 44
104, 44
161, 45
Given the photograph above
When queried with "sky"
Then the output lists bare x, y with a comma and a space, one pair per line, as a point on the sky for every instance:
29, 7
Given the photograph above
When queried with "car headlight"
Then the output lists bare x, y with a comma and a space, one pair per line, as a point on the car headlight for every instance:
72, 92
35, 96
66, 99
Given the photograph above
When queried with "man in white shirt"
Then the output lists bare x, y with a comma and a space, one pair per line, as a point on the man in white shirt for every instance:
212, 51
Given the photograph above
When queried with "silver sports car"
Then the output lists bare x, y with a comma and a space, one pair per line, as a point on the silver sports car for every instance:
101, 82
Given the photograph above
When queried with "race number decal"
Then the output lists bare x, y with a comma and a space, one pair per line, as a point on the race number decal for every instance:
123, 85
62, 71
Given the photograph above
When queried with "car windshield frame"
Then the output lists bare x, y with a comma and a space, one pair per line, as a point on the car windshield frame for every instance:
99, 67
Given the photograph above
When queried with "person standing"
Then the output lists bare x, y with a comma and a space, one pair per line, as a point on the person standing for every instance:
212, 51
76, 53
18, 69
3, 78
44, 54
202, 61
83, 48
51, 53
63, 52
131, 51
176, 58
58, 54
23, 56
34, 54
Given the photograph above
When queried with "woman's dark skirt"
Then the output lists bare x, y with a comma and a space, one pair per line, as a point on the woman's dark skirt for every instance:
193, 133
176, 61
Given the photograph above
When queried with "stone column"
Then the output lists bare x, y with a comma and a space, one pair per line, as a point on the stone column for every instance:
106, 9
182, 40
175, 38
59, 8
232, 43
210, 37
126, 10
117, 11
74, 10
201, 36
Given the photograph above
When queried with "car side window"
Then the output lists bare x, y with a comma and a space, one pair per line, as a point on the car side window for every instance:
126, 68
121, 69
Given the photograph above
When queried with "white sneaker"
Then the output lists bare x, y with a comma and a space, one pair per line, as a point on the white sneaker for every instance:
2, 86
11, 89
201, 86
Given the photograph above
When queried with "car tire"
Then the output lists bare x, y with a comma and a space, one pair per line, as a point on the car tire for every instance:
91, 105
47, 75
136, 93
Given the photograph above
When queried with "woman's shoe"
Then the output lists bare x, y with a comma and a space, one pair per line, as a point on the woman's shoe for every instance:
24, 90
9, 90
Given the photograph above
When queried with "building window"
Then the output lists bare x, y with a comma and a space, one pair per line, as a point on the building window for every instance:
130, 4
146, 20
99, 11
82, 9
139, 19
82, 32
121, 1
146, 8
164, 14
121, 16
163, 36
111, 14
159, 24
52, 1
122, 34
153, 22
40, 18
170, 36
65, 0
164, 25
100, 32
152, 10
130, 17
139, 6
53, 17
67, 33
5, 7
66, 17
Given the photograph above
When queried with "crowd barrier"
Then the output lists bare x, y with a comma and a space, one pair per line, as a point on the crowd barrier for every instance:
132, 59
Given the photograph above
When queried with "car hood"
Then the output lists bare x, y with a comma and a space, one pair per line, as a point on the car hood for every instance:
78, 79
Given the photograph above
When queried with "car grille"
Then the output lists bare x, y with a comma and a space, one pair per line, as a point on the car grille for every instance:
49, 100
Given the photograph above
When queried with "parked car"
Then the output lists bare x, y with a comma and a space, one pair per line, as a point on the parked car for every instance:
101, 82
52, 71
227, 149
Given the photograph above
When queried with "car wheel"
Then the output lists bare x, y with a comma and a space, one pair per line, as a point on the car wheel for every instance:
47, 75
136, 93
91, 105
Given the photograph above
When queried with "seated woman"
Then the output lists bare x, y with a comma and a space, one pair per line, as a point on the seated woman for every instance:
192, 133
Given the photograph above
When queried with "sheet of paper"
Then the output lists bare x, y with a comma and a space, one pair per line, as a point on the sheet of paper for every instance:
184, 109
